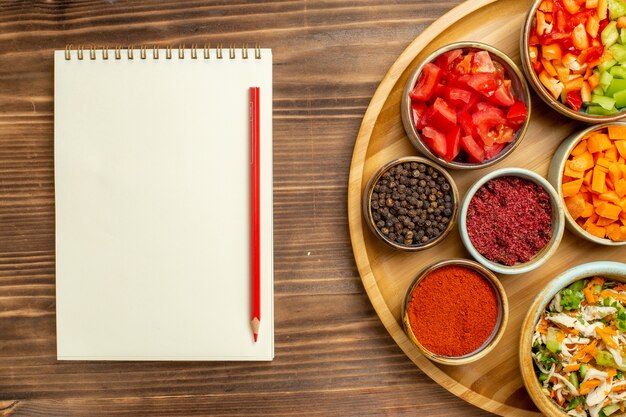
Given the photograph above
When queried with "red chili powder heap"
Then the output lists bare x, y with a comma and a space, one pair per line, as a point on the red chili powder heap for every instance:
453, 311
509, 220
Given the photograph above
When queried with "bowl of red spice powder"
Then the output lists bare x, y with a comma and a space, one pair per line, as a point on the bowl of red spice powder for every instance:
455, 311
511, 221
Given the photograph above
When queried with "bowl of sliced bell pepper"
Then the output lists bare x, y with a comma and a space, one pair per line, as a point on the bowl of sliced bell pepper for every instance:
588, 170
573, 53
466, 106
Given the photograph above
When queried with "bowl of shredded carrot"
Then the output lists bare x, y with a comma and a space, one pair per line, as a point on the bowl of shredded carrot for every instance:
573, 343
588, 171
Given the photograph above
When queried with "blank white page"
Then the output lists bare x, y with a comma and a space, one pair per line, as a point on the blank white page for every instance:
152, 207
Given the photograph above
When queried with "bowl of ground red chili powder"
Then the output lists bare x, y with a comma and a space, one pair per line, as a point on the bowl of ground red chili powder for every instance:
511, 221
455, 311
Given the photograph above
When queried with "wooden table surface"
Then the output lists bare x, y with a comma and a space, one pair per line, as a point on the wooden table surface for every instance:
333, 356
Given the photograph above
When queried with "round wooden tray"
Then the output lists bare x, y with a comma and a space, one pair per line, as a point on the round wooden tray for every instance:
493, 383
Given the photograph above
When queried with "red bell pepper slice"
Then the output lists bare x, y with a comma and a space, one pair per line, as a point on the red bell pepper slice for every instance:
426, 83
574, 99
591, 54
435, 140
475, 152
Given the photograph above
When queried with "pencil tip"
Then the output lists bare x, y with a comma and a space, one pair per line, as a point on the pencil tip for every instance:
256, 335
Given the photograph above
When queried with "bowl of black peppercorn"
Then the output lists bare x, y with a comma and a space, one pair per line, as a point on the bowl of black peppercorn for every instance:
411, 203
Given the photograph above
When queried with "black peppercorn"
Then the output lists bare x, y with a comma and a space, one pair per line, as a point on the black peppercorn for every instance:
411, 203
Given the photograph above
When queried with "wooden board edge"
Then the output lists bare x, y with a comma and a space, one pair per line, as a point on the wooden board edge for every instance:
355, 221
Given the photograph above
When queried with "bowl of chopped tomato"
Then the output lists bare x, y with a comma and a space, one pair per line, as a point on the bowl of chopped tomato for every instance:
466, 106
574, 55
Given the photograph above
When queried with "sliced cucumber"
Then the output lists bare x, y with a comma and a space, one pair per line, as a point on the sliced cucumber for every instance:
619, 52
607, 103
552, 340
598, 110
610, 34
617, 84
610, 409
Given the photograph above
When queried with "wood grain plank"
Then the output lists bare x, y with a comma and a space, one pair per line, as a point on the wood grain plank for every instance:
333, 356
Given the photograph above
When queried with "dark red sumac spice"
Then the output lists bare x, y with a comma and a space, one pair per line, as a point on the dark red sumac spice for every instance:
509, 220
453, 311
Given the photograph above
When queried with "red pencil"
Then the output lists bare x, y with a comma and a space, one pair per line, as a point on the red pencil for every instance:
255, 214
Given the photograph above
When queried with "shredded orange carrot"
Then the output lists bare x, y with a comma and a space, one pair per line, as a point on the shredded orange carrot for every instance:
621, 407
613, 294
619, 388
610, 374
596, 281
589, 295
543, 326
605, 335
571, 368
587, 386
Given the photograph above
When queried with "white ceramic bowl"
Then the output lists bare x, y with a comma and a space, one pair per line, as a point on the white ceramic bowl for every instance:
611, 270
555, 176
557, 222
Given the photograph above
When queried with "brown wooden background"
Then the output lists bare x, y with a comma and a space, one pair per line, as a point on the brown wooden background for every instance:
333, 356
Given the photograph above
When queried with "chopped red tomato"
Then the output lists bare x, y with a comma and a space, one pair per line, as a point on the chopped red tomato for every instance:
517, 113
503, 96
464, 106
483, 83
444, 116
485, 121
464, 66
417, 110
482, 62
453, 143
491, 151
444, 60
428, 79
467, 125
458, 96
435, 140
476, 153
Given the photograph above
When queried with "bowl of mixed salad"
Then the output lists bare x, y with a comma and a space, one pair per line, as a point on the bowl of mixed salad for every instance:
573, 53
573, 343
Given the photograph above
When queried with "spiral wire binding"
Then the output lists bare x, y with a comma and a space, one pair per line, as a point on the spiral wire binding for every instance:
143, 54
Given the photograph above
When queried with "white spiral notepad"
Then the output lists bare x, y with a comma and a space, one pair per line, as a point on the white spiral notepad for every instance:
151, 151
